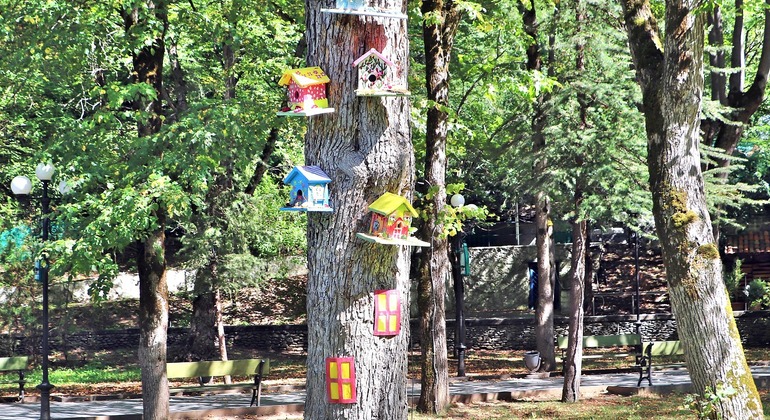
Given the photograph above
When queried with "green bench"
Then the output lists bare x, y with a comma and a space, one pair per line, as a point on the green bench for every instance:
632, 341
205, 369
15, 364
657, 348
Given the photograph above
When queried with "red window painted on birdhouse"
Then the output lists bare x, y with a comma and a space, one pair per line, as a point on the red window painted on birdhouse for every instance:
387, 312
341, 380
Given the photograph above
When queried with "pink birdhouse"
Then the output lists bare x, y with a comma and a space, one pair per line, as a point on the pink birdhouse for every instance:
377, 76
306, 91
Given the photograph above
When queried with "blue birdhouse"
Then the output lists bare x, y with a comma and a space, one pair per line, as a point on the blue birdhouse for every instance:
309, 189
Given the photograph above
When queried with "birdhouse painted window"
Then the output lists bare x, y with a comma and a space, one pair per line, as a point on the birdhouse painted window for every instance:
306, 91
387, 312
309, 189
377, 75
341, 380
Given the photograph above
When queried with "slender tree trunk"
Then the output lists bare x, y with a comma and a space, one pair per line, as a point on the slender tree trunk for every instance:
151, 258
574, 356
153, 326
206, 338
671, 77
365, 148
434, 268
544, 311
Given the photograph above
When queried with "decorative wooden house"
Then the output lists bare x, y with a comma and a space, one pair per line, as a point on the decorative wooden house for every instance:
391, 222
377, 76
309, 189
361, 7
306, 92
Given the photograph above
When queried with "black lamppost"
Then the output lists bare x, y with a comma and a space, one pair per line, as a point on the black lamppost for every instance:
636, 277
458, 200
22, 186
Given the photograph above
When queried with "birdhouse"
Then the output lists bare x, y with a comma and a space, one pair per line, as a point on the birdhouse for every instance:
341, 380
360, 7
377, 76
309, 189
387, 312
391, 222
306, 92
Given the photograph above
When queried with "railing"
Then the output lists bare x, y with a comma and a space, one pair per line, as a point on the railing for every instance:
618, 297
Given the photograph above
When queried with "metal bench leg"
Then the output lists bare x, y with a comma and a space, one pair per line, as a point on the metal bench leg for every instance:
256, 390
22, 381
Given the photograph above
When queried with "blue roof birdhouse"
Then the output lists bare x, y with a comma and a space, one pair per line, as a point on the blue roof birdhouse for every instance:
309, 189
361, 7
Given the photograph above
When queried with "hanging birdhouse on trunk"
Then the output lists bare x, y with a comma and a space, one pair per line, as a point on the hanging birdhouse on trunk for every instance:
306, 92
309, 189
377, 76
361, 7
391, 222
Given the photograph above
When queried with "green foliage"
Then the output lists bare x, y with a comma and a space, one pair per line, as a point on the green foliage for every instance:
706, 406
758, 293
733, 279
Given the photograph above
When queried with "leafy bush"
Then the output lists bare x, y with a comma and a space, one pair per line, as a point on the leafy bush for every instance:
759, 293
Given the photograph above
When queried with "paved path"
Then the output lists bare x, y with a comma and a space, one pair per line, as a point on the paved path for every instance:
467, 391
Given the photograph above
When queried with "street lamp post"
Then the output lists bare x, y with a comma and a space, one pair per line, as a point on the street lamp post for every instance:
636, 277
458, 200
22, 186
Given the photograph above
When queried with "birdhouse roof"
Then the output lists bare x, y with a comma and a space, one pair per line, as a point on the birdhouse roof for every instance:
389, 202
372, 52
313, 174
308, 76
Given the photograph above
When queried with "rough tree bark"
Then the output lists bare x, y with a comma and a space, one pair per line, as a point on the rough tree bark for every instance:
365, 147
434, 267
671, 77
151, 256
153, 326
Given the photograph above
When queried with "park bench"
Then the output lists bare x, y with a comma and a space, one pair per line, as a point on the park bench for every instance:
656, 348
17, 364
205, 369
619, 342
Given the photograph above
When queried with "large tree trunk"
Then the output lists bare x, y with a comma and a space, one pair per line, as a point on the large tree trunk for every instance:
151, 258
434, 267
153, 326
365, 148
671, 77
204, 338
